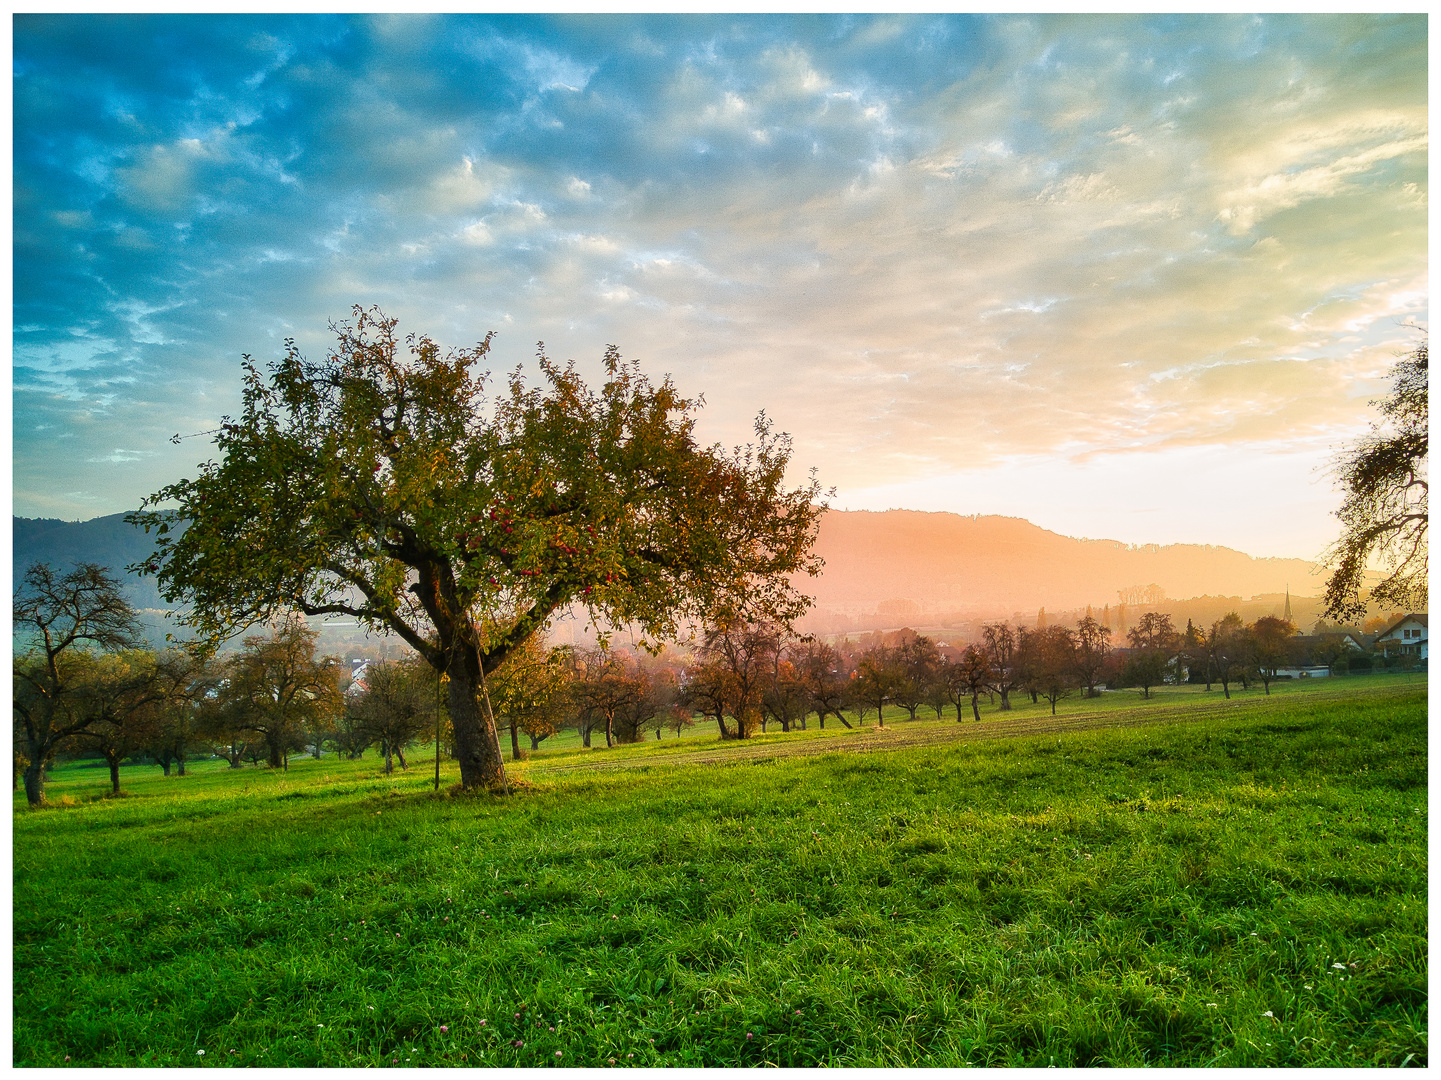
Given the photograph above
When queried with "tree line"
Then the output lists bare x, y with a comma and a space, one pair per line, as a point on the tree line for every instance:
87, 685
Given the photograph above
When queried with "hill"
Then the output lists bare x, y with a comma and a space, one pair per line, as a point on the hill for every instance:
908, 562
881, 568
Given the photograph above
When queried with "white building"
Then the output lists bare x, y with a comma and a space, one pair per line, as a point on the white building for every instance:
1406, 637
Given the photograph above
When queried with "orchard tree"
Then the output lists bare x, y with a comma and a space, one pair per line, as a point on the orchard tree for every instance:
396, 707
879, 674
973, 676
1154, 645
1270, 642
1228, 647
1000, 645
59, 617
529, 691
605, 687
918, 665
1093, 646
821, 671
1055, 671
282, 689
382, 483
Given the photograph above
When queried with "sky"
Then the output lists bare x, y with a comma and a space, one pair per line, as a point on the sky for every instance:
1127, 277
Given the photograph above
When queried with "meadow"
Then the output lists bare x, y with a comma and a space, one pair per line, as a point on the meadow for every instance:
1181, 881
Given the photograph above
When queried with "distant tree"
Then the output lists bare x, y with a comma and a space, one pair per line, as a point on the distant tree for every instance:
784, 699
917, 667
282, 688
174, 735
1000, 646
973, 675
57, 617
388, 488
706, 686
1028, 661
1270, 639
1384, 511
123, 696
880, 672
1056, 673
744, 649
1154, 645
605, 687
528, 692
822, 673
1093, 646
1228, 648
396, 707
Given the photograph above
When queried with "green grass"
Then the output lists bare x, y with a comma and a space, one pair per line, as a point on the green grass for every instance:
1026, 891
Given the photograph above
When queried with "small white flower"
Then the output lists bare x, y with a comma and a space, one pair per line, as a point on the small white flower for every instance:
1210, 1004
1309, 987
1339, 967
200, 1053
1269, 1013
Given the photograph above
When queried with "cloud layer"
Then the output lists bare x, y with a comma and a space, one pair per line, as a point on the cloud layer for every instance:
930, 247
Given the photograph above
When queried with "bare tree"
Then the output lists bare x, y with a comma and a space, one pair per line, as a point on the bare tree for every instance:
58, 617
1383, 514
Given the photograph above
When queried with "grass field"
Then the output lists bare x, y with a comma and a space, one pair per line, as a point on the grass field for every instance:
1182, 881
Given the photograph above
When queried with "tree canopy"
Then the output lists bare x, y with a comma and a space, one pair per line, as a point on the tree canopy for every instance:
381, 482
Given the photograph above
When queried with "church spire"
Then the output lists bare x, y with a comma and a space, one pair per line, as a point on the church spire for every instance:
1287, 613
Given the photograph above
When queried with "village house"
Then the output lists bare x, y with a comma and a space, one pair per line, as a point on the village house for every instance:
1405, 637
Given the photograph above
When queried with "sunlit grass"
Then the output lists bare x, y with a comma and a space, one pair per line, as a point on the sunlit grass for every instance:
1125, 896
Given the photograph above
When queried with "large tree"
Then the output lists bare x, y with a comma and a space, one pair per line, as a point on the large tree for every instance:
59, 617
382, 483
1384, 512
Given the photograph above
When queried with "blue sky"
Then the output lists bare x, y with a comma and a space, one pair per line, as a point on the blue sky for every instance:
1126, 277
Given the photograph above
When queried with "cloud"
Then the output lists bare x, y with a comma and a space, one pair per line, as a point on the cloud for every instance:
920, 243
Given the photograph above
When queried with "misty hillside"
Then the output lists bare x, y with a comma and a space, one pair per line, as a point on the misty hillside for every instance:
898, 564
946, 561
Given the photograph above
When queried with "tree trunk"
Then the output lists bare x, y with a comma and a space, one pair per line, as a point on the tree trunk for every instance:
585, 736
1005, 699
657, 734
975, 707
477, 748
114, 763
35, 782
400, 756
389, 761
180, 763
609, 740
514, 741
165, 766
273, 746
